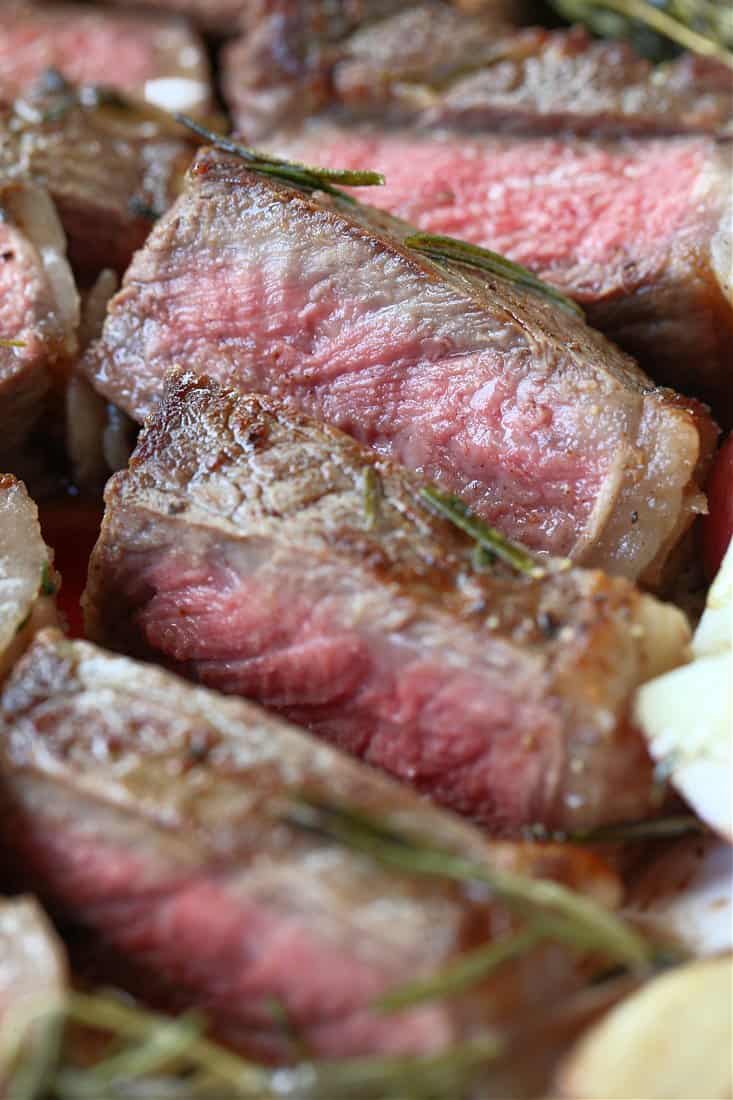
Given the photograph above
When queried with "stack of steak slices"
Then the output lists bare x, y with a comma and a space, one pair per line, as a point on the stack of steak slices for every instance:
270, 556
636, 230
496, 390
214, 849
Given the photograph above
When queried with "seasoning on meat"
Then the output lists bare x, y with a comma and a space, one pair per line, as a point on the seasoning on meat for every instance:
430, 65
637, 231
165, 820
487, 387
237, 548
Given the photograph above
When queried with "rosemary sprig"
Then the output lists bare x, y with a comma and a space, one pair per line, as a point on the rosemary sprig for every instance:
573, 917
373, 494
12, 343
471, 968
655, 829
702, 27
48, 585
157, 1057
488, 538
302, 175
442, 249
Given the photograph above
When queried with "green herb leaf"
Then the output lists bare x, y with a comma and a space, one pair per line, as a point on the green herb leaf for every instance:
373, 495
12, 343
451, 250
564, 913
48, 582
488, 538
702, 26
160, 1057
301, 175
471, 968
655, 829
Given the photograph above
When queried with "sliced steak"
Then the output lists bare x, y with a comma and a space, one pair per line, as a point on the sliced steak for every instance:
431, 64
296, 59
149, 57
490, 389
239, 547
110, 167
32, 974
39, 308
161, 817
27, 578
638, 231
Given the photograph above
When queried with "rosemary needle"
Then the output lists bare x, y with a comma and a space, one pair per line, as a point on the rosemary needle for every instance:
301, 175
452, 250
488, 538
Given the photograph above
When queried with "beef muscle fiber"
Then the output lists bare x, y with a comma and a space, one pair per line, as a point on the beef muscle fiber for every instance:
430, 65
152, 58
238, 547
494, 391
638, 231
156, 815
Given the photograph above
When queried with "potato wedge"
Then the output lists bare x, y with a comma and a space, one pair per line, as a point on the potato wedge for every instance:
670, 1041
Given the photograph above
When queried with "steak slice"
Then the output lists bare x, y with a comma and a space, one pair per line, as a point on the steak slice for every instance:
39, 309
149, 57
32, 970
430, 64
286, 66
492, 390
27, 578
161, 817
239, 548
110, 167
636, 231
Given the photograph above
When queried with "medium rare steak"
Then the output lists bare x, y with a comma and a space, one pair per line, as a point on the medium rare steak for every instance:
165, 819
269, 556
430, 64
486, 387
32, 972
637, 231
27, 578
39, 308
152, 58
110, 167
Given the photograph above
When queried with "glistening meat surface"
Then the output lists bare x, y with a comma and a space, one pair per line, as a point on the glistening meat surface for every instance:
495, 392
238, 547
638, 232
160, 817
